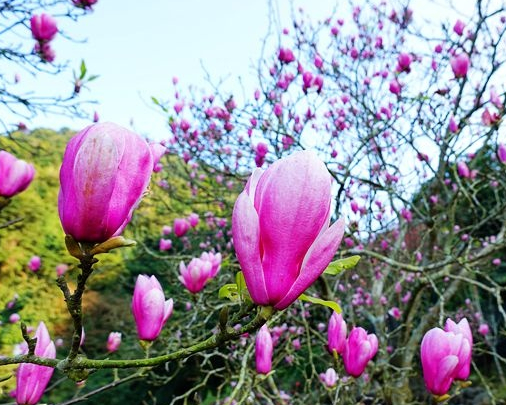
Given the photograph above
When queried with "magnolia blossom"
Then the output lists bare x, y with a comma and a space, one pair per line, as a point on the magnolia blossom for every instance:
43, 27
329, 378
181, 226
460, 65
443, 355
35, 263
113, 341
288, 202
263, 350
359, 348
105, 171
149, 307
32, 379
15, 175
195, 276
336, 333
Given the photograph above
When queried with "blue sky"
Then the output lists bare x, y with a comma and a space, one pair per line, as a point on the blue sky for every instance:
138, 46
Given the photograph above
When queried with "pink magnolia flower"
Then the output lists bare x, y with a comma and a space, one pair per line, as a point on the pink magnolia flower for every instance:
44, 50
193, 219
395, 87
149, 307
32, 379
105, 171
165, 244
501, 153
395, 312
336, 333
181, 226
441, 354
359, 348
289, 201
194, 276
15, 175
460, 65
462, 328
43, 27
329, 378
406, 214
286, 55
263, 350
61, 269
403, 62
215, 260
34, 263
490, 118
463, 170
483, 329
15, 317
113, 341
453, 126
459, 26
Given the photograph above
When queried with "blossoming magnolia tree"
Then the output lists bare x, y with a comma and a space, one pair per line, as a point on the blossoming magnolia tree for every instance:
27, 33
360, 261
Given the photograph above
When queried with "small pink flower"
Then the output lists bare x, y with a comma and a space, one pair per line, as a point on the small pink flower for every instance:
15, 174
43, 27
44, 50
395, 87
165, 244
35, 263
336, 333
113, 341
483, 329
286, 55
15, 317
453, 126
359, 348
329, 378
460, 65
463, 170
149, 307
195, 276
459, 26
263, 350
501, 153
193, 219
395, 312
61, 269
181, 226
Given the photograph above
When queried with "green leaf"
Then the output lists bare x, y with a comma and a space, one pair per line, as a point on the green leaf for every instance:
229, 291
83, 69
331, 304
155, 100
93, 77
240, 282
336, 267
